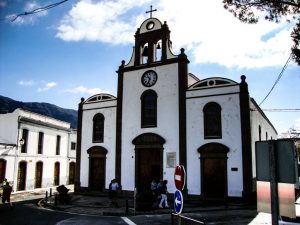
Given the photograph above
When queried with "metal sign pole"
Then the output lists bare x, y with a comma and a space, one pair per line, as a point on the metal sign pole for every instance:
273, 183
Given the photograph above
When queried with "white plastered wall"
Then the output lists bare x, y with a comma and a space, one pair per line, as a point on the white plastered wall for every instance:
228, 99
108, 109
166, 88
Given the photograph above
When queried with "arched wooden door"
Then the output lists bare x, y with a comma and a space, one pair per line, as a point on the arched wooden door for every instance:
22, 171
72, 172
97, 165
148, 160
2, 169
213, 170
56, 173
38, 175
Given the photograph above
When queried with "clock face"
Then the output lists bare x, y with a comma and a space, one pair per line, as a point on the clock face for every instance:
149, 78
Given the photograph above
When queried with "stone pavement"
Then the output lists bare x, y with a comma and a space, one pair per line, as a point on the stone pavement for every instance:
101, 205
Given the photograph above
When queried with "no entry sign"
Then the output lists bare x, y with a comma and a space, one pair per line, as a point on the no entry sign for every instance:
179, 177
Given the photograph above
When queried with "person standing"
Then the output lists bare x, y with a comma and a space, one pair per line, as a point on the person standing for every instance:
164, 198
7, 189
4, 182
153, 187
114, 186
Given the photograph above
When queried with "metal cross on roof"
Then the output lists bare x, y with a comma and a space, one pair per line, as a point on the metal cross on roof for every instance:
150, 11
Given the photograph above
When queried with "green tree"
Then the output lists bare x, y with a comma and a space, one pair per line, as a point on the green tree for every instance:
274, 10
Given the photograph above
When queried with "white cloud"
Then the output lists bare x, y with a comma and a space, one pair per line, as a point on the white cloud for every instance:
47, 87
85, 90
100, 21
26, 82
205, 28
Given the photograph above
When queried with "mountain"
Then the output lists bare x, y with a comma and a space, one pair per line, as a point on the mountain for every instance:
67, 115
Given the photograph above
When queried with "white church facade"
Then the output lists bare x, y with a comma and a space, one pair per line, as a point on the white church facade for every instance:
164, 116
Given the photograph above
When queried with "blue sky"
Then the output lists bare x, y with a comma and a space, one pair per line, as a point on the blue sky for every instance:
73, 50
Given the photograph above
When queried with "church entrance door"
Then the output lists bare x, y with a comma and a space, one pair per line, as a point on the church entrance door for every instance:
213, 170
214, 179
148, 168
97, 155
148, 160
97, 170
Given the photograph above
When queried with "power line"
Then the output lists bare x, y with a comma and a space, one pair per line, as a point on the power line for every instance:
281, 110
278, 78
37, 10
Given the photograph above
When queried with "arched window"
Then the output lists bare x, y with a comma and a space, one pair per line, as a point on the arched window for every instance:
98, 128
212, 120
149, 109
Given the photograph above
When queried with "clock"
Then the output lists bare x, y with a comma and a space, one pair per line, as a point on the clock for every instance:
149, 78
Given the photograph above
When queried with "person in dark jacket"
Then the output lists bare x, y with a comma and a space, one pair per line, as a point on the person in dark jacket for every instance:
7, 189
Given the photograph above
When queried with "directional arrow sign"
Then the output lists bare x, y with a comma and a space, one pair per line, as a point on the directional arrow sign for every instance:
178, 201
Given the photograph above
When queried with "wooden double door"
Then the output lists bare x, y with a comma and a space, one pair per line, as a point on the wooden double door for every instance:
214, 177
97, 174
213, 170
148, 167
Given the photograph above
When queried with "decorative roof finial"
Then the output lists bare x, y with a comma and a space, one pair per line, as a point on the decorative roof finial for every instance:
150, 11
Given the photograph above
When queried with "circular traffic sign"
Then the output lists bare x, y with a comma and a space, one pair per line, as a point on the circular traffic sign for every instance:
179, 177
178, 202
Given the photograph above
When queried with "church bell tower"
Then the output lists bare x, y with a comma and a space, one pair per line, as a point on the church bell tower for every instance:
153, 70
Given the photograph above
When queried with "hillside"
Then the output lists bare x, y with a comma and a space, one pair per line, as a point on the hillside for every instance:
68, 115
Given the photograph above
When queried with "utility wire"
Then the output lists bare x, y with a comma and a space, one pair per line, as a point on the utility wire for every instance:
281, 110
278, 78
37, 10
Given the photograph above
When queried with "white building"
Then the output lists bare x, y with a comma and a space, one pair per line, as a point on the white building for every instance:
164, 116
36, 151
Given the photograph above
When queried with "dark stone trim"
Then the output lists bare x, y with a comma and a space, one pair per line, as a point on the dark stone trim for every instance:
97, 151
107, 107
148, 139
204, 96
182, 87
150, 65
246, 137
119, 123
191, 88
108, 100
78, 146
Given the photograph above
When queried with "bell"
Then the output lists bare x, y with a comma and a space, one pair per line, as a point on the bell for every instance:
158, 46
145, 51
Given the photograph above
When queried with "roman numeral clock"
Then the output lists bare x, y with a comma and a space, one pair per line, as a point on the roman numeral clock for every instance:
149, 78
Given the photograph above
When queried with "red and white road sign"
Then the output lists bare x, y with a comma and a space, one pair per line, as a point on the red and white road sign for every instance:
179, 177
